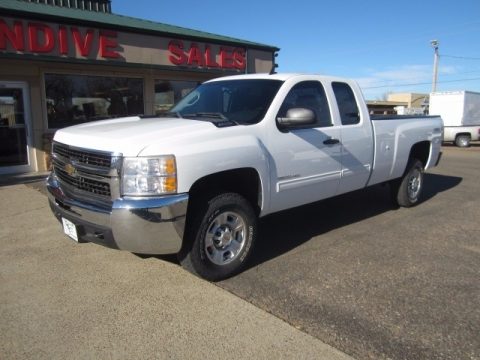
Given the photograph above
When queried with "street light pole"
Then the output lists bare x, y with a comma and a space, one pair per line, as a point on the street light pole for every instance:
435, 44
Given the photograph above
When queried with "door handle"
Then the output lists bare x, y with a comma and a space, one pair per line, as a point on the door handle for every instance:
331, 141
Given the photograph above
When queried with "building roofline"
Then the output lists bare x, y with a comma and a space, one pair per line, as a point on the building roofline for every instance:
386, 103
118, 22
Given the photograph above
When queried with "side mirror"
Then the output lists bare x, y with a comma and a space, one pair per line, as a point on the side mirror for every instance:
297, 117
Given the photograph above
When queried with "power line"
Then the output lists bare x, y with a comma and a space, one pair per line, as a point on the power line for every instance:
460, 57
412, 78
424, 83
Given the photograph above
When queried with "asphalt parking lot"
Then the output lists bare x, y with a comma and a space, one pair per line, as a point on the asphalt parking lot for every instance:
371, 280
374, 281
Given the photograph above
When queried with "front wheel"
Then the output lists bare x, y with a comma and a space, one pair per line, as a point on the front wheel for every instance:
407, 190
220, 237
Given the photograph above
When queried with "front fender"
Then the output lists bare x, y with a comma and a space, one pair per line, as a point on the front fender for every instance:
198, 160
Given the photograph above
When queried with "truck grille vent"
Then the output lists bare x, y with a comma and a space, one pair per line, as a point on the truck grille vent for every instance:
82, 183
83, 157
83, 171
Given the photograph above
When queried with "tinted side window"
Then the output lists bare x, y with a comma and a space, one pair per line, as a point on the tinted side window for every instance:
309, 95
346, 103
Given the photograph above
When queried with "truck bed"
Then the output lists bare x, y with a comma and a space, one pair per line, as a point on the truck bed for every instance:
400, 117
394, 140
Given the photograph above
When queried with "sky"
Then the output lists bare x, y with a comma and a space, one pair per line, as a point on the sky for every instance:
384, 45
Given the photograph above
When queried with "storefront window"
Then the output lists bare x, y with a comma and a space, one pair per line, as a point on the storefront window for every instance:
169, 92
75, 99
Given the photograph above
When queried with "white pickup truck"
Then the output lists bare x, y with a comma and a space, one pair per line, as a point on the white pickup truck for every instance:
235, 149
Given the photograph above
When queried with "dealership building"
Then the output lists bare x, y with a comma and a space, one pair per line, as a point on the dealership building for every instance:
65, 62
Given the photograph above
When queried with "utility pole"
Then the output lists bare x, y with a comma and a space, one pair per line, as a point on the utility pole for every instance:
434, 44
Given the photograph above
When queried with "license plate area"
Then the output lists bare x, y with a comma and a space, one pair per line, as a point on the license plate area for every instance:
70, 229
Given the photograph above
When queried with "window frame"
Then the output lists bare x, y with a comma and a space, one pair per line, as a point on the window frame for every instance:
316, 125
354, 96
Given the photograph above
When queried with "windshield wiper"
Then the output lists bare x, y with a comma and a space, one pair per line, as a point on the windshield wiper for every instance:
172, 114
213, 115
223, 121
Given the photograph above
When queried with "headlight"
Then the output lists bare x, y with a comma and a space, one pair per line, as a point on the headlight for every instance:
149, 175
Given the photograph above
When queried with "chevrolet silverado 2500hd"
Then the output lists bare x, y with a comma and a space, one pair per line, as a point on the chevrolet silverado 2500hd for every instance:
195, 181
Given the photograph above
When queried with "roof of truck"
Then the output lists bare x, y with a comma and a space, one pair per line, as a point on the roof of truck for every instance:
458, 92
281, 77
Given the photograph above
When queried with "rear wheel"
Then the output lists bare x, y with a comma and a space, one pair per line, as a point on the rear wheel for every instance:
220, 237
462, 140
407, 190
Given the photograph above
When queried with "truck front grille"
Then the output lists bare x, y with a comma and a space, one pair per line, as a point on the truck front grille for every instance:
86, 157
80, 182
85, 174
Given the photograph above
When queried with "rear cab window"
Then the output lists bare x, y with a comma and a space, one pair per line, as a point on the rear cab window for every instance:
347, 104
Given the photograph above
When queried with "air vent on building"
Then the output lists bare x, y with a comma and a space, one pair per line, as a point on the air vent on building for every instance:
89, 5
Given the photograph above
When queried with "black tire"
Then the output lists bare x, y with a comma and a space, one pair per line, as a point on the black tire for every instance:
220, 237
463, 140
407, 190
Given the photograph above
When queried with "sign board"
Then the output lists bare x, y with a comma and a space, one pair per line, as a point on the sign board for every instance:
20, 36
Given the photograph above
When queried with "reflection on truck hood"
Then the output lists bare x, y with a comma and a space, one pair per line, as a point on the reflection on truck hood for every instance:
131, 135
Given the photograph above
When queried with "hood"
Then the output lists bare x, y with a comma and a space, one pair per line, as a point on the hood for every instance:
130, 135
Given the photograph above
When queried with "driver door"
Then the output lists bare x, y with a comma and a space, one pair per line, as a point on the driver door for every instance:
307, 159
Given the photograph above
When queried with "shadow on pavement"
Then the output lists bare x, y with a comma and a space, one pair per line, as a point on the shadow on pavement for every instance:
36, 181
284, 231
6, 180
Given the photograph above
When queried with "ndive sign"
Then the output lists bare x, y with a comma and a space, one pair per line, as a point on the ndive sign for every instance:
31, 37
41, 38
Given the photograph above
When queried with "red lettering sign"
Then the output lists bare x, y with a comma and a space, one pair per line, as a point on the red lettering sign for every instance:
108, 42
197, 56
43, 38
63, 40
15, 36
239, 59
210, 58
177, 56
83, 44
226, 58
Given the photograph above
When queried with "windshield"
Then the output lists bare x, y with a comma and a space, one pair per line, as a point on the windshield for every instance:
240, 101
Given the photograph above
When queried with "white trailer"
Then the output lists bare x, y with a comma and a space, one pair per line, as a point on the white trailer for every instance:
460, 111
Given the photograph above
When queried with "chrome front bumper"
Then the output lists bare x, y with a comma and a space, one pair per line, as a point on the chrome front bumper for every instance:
139, 225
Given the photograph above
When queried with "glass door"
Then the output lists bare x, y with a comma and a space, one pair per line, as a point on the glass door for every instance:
16, 153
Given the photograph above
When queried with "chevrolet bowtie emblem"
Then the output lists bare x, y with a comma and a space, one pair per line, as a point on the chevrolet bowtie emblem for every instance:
70, 169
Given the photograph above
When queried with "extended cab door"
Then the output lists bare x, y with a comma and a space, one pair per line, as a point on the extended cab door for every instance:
306, 159
356, 137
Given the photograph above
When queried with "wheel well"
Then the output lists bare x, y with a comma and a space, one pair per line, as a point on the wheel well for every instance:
244, 181
421, 151
463, 134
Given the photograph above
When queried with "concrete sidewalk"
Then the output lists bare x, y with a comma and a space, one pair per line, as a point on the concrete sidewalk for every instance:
61, 300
